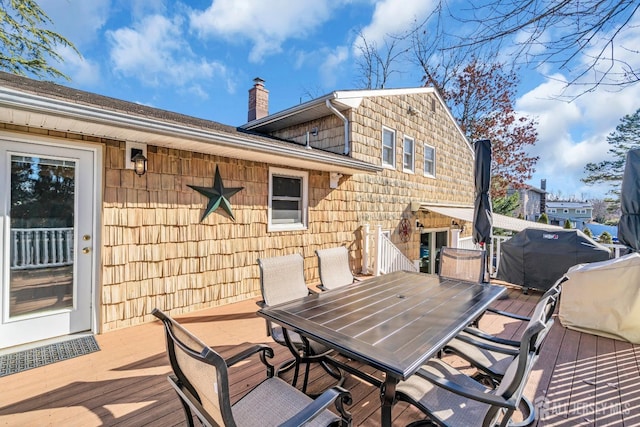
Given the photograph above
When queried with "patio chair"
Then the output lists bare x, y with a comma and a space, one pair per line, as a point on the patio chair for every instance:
462, 264
200, 378
333, 265
553, 292
450, 398
282, 280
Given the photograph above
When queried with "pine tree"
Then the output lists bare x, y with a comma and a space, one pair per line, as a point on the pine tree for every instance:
26, 45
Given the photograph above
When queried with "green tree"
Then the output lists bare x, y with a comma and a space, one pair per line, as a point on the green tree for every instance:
588, 232
624, 138
544, 219
506, 205
567, 224
26, 44
606, 238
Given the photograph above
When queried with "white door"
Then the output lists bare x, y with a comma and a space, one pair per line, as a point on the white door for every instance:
47, 217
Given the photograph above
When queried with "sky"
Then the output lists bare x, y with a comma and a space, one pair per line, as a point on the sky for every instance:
200, 57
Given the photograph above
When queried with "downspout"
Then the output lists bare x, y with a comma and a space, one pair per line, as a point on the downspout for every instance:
346, 125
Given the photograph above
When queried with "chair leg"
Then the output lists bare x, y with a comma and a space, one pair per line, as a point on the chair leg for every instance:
187, 412
528, 411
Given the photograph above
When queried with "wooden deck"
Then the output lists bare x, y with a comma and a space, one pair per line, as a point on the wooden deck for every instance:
579, 379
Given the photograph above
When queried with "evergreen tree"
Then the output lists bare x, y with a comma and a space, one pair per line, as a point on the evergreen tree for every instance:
606, 238
544, 219
26, 45
624, 138
588, 232
567, 224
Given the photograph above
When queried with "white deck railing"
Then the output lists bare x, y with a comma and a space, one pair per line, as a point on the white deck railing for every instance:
380, 255
41, 247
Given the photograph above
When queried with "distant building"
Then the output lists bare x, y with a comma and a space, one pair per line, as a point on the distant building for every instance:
578, 213
531, 201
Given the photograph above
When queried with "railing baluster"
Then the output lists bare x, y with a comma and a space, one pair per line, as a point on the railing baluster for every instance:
41, 247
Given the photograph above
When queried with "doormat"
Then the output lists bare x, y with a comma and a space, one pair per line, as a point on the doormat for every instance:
40, 356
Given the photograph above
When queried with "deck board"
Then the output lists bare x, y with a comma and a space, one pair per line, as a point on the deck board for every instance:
579, 379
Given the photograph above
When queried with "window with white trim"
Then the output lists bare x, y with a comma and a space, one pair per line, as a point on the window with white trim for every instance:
408, 154
388, 147
551, 210
581, 211
429, 160
565, 210
288, 199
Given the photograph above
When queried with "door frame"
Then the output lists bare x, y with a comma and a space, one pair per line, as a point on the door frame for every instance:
98, 173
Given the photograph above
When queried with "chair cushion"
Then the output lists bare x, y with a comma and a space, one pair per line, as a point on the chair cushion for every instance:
273, 402
489, 361
451, 409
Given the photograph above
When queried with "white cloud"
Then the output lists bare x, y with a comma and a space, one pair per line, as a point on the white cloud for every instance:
266, 24
155, 52
330, 70
572, 134
393, 17
82, 71
79, 21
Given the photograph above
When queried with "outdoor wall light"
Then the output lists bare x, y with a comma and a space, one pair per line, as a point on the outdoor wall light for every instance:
139, 161
419, 226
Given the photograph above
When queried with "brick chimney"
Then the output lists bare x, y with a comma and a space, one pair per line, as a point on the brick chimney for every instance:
258, 101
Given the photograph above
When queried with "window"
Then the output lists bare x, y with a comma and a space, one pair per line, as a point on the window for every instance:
581, 211
287, 199
429, 160
565, 210
388, 147
408, 155
551, 210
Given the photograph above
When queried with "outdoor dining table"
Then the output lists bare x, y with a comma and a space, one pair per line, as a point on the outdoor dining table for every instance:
394, 322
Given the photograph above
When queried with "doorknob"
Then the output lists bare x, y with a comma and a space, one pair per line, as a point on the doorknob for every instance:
86, 250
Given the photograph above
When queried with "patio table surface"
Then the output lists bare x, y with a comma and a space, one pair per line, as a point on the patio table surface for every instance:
394, 322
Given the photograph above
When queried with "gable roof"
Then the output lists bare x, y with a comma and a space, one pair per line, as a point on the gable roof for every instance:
34, 103
342, 100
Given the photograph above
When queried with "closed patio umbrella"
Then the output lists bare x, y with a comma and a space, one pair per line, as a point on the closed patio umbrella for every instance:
482, 217
629, 225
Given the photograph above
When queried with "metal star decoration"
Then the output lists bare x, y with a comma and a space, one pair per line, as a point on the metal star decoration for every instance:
218, 196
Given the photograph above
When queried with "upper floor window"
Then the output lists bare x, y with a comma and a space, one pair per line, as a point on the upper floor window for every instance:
551, 210
408, 155
288, 199
388, 147
581, 211
429, 160
565, 210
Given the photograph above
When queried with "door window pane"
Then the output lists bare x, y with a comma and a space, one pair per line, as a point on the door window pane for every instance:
42, 223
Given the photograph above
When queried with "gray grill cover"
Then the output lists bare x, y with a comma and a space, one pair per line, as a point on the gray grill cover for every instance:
537, 258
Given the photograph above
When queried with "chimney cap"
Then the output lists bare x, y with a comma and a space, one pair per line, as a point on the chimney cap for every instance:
258, 81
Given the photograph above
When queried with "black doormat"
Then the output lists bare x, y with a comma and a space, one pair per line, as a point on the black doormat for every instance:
35, 357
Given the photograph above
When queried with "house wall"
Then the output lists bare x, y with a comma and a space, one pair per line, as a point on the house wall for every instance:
157, 253
385, 198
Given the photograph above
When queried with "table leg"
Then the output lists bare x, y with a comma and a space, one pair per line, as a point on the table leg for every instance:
387, 399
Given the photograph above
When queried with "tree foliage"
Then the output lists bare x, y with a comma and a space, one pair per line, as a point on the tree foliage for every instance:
606, 238
584, 39
624, 138
506, 205
26, 44
567, 224
482, 98
544, 219
587, 232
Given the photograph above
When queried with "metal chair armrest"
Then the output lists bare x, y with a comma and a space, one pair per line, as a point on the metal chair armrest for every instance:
488, 346
488, 398
509, 314
245, 354
480, 334
336, 394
